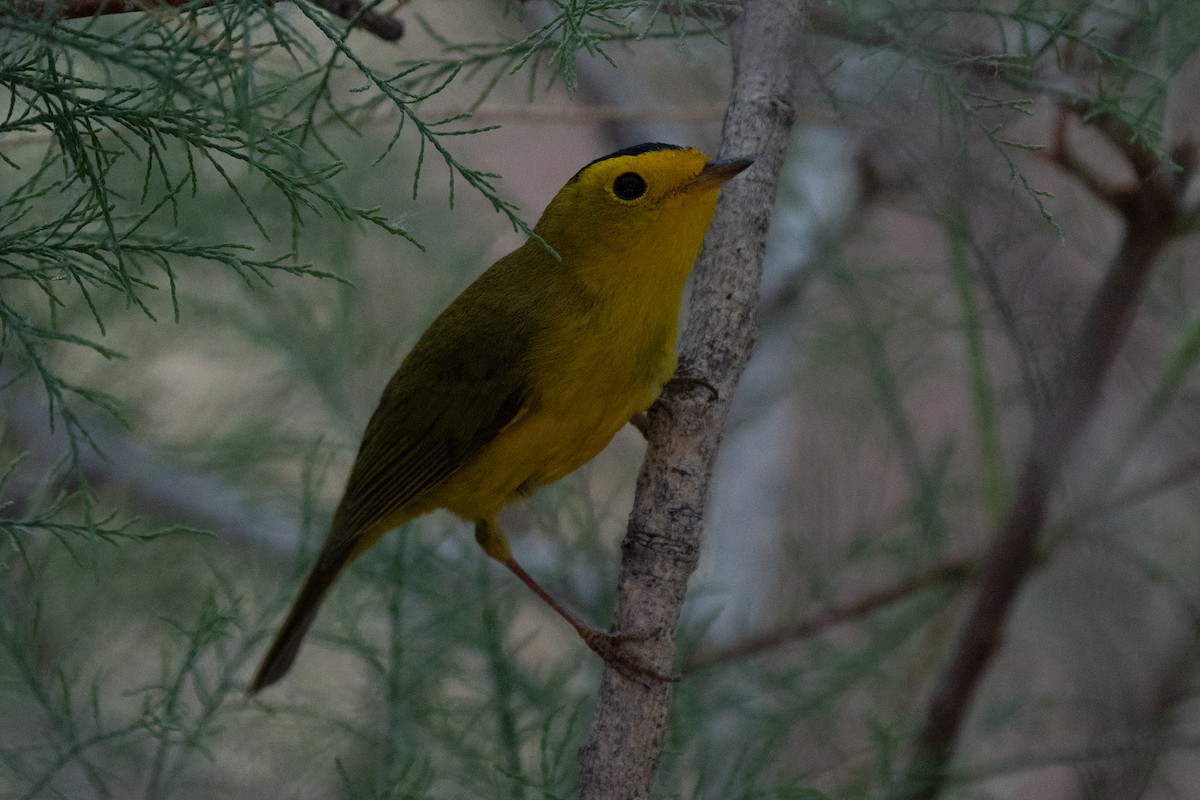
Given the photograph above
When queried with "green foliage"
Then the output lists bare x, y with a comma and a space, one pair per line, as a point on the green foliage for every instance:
185, 167
112, 127
212, 175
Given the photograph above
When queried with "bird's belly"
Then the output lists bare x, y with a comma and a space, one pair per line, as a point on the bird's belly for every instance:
544, 445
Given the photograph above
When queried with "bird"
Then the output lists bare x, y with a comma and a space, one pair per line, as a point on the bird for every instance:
529, 372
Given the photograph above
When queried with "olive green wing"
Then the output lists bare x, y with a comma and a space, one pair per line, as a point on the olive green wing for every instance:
452, 396
433, 418
465, 381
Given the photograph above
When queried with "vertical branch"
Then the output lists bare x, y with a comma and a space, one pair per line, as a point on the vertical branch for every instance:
1152, 211
663, 541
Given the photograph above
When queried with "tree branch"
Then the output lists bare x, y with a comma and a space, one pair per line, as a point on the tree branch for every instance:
947, 572
663, 541
383, 26
1063, 154
150, 482
1152, 212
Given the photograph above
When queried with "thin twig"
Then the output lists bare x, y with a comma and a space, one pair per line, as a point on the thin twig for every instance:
948, 572
1063, 154
966, 57
1149, 488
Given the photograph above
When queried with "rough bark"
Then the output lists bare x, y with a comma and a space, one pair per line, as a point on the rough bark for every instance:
662, 544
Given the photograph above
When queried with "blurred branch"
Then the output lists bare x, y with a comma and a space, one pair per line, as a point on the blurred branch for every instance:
1152, 210
77, 9
826, 21
1167, 480
1063, 154
719, 11
580, 114
662, 545
971, 56
965, 56
155, 485
954, 572
383, 26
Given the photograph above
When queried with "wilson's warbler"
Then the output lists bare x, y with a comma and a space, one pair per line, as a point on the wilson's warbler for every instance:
531, 370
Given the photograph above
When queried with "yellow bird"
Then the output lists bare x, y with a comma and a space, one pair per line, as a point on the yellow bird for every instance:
530, 371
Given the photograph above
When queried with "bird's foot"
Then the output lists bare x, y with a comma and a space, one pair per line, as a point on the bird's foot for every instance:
611, 647
683, 380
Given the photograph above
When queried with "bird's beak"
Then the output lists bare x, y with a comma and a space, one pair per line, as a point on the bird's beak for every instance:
716, 173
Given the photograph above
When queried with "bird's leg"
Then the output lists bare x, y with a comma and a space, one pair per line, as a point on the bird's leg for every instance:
605, 644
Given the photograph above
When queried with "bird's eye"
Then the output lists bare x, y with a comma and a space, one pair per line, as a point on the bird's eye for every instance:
629, 186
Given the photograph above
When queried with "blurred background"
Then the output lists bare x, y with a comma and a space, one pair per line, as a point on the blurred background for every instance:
178, 421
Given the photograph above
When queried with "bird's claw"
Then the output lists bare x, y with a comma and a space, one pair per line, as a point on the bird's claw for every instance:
610, 647
683, 380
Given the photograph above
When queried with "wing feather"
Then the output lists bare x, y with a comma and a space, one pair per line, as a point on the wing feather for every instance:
449, 398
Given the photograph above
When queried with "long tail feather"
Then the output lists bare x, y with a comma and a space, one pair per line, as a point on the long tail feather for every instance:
278, 660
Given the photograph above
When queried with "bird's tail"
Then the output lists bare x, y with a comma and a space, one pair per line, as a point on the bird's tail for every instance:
335, 555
